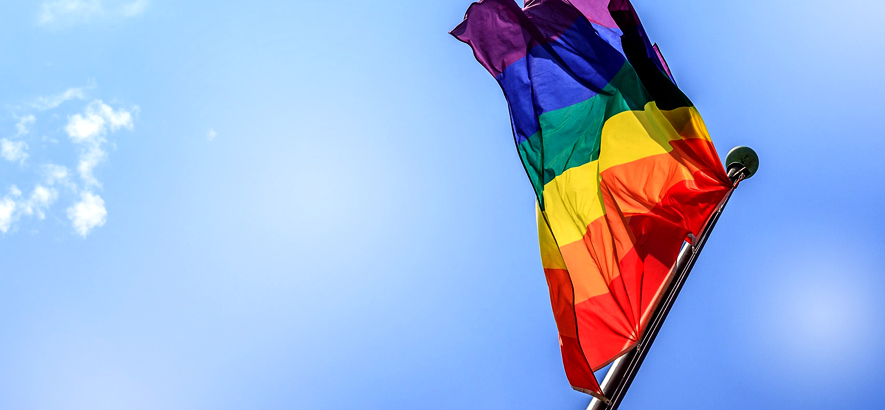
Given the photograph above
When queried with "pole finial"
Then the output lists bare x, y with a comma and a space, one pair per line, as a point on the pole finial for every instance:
742, 159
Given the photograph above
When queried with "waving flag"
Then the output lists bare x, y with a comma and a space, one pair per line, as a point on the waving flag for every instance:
620, 161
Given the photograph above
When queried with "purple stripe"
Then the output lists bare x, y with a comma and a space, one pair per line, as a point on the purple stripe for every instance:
492, 28
501, 33
596, 11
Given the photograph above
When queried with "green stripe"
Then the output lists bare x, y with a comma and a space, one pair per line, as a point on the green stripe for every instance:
570, 136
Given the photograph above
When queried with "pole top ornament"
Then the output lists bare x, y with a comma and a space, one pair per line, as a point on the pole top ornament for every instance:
742, 157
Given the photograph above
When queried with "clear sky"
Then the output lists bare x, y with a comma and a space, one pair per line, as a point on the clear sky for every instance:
318, 205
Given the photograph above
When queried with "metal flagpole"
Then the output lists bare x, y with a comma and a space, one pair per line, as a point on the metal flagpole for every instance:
742, 163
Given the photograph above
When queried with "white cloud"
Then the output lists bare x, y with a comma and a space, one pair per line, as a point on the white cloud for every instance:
116, 119
211, 134
89, 159
81, 129
13, 151
7, 213
89, 130
71, 12
13, 206
39, 201
23, 124
48, 103
57, 174
96, 120
87, 214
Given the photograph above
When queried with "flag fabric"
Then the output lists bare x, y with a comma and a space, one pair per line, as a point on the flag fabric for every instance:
620, 161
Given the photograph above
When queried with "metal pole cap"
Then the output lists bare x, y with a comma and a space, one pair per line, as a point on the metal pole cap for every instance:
742, 158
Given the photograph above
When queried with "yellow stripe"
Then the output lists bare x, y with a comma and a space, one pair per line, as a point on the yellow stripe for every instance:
573, 199
688, 123
550, 256
633, 135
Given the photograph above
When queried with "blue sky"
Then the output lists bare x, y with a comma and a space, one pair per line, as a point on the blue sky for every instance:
317, 205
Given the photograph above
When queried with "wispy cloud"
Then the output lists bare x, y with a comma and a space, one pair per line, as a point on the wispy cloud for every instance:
13, 151
87, 214
211, 134
17, 151
89, 129
135, 8
52, 101
7, 212
39, 201
24, 124
57, 174
13, 205
72, 12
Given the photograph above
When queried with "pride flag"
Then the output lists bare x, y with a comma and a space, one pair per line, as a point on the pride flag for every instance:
620, 161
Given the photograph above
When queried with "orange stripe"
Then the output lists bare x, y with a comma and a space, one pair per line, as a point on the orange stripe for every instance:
603, 244
638, 186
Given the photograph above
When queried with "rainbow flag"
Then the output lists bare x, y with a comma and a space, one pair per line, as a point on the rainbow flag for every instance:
620, 161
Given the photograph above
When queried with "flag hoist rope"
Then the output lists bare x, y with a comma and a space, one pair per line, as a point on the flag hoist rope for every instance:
742, 163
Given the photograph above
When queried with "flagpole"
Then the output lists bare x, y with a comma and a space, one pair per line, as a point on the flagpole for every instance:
742, 163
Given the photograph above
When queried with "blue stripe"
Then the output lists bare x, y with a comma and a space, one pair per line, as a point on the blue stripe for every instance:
574, 68
612, 36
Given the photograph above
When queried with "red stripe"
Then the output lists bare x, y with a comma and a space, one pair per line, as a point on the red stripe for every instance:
579, 374
645, 245
603, 328
562, 298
